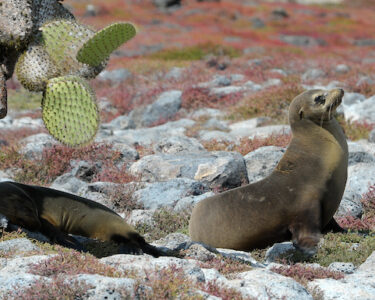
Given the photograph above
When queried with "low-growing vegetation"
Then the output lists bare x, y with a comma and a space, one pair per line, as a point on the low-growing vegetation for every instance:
303, 274
356, 130
166, 221
225, 266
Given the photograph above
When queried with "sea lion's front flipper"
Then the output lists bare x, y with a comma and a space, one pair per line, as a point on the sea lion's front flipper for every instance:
332, 226
59, 237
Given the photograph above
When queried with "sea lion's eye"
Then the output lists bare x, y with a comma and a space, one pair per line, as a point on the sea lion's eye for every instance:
320, 100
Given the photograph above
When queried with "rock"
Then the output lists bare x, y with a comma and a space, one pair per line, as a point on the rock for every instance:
371, 136
347, 268
148, 136
166, 194
68, 183
363, 111
127, 152
84, 170
115, 76
190, 201
352, 98
119, 123
302, 40
215, 124
176, 144
107, 287
264, 284
241, 256
241, 129
236, 77
34, 145
164, 108
174, 74
257, 23
141, 216
364, 42
272, 82
261, 162
280, 13
206, 112
215, 135
350, 205
198, 252
12, 282
91, 11
166, 3
360, 157
18, 265
20, 245
313, 74
251, 86
267, 131
360, 177
226, 90
174, 241
278, 250
342, 69
216, 168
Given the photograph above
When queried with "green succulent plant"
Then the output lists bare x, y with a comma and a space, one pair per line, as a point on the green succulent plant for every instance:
55, 54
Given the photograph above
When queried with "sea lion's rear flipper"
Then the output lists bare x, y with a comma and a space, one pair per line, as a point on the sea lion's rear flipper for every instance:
59, 237
333, 226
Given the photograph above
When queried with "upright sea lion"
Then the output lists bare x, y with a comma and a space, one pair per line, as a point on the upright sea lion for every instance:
300, 196
56, 213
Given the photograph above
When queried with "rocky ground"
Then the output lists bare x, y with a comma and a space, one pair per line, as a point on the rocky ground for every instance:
194, 106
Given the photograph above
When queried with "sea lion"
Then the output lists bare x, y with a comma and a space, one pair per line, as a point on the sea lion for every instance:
300, 196
56, 213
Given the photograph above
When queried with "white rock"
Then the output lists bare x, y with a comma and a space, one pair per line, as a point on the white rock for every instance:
241, 129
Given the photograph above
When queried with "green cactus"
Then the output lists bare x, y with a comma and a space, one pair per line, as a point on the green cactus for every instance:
104, 42
53, 53
69, 110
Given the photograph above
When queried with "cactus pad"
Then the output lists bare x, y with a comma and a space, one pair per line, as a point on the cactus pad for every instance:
34, 68
104, 42
69, 110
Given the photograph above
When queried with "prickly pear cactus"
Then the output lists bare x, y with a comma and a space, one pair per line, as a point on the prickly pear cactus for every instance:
104, 42
69, 110
53, 53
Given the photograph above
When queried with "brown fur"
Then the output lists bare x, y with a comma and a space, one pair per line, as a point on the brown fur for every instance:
56, 213
297, 200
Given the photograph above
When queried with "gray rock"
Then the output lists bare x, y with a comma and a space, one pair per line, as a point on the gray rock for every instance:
141, 216
164, 108
215, 124
217, 168
264, 284
166, 194
174, 241
313, 74
241, 256
278, 250
11, 282
365, 80
176, 144
364, 42
175, 73
206, 112
127, 152
18, 265
106, 287
352, 98
17, 246
371, 136
149, 136
267, 131
363, 111
190, 201
91, 10
226, 90
261, 162
342, 69
257, 23
350, 205
252, 86
166, 3
360, 177
347, 268
215, 135
119, 123
236, 77
33, 145
199, 252
360, 157
115, 76
241, 129
302, 40
68, 183
272, 82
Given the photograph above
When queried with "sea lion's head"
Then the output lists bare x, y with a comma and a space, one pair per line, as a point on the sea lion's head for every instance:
315, 105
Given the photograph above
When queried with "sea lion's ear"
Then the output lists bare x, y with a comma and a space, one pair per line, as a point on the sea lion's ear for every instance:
300, 113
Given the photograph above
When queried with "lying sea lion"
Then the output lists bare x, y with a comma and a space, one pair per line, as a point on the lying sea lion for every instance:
56, 213
300, 196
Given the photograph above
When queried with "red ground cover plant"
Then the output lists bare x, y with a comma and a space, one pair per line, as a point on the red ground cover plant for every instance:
303, 274
367, 221
225, 265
